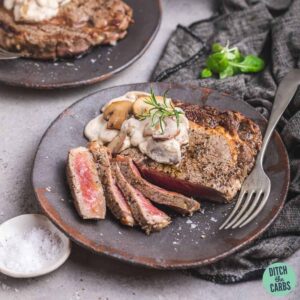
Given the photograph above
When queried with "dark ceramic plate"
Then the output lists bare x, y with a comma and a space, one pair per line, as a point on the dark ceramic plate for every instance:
101, 63
187, 242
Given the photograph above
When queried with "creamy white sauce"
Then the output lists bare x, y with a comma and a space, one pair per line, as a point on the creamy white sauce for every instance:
34, 10
96, 130
161, 147
166, 152
163, 151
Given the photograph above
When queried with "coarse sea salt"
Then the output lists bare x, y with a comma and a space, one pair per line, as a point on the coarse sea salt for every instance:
30, 251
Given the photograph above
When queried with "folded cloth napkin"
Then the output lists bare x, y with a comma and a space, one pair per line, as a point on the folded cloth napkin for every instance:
270, 29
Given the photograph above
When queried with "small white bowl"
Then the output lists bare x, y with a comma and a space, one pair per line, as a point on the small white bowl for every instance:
24, 223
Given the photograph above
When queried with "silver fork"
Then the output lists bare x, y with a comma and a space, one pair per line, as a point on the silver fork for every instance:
258, 184
6, 55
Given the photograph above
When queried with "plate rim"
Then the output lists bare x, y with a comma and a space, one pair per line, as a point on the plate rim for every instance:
97, 79
149, 262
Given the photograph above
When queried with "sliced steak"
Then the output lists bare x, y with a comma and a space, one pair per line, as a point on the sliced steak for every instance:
176, 201
115, 200
221, 153
79, 25
85, 185
147, 216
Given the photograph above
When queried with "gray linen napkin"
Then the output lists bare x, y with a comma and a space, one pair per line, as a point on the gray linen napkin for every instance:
270, 29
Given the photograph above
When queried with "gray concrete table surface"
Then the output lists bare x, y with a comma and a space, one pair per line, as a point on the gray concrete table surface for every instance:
24, 116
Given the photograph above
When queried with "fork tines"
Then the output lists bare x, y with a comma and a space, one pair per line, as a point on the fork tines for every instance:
248, 206
4, 54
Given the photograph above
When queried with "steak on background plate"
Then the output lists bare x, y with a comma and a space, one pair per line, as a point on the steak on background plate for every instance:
221, 153
79, 25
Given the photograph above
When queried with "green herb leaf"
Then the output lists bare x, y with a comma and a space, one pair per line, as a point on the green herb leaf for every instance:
216, 47
250, 64
206, 73
238, 57
217, 62
227, 62
228, 72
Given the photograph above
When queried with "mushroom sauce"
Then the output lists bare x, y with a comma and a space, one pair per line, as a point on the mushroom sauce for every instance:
161, 145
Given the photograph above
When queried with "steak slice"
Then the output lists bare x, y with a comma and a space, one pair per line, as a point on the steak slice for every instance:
147, 216
114, 198
85, 185
79, 25
221, 153
176, 201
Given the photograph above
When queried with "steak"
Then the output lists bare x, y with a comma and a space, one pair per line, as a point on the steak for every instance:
176, 201
114, 198
221, 153
147, 216
85, 185
79, 25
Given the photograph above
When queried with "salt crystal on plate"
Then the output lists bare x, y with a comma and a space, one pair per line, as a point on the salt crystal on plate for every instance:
213, 219
30, 251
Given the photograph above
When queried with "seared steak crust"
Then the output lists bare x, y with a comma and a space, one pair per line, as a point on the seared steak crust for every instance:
114, 198
79, 25
221, 153
147, 216
235, 123
176, 201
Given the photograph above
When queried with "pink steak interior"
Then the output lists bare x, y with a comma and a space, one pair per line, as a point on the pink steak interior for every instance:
88, 186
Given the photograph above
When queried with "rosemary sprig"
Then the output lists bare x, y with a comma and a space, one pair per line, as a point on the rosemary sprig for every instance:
159, 111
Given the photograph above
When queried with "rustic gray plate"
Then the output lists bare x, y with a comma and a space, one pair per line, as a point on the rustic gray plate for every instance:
101, 63
187, 242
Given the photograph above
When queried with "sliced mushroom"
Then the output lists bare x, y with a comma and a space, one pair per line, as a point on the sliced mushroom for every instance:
170, 130
116, 113
117, 143
140, 107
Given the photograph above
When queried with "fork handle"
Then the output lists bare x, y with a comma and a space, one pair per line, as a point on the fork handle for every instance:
285, 93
